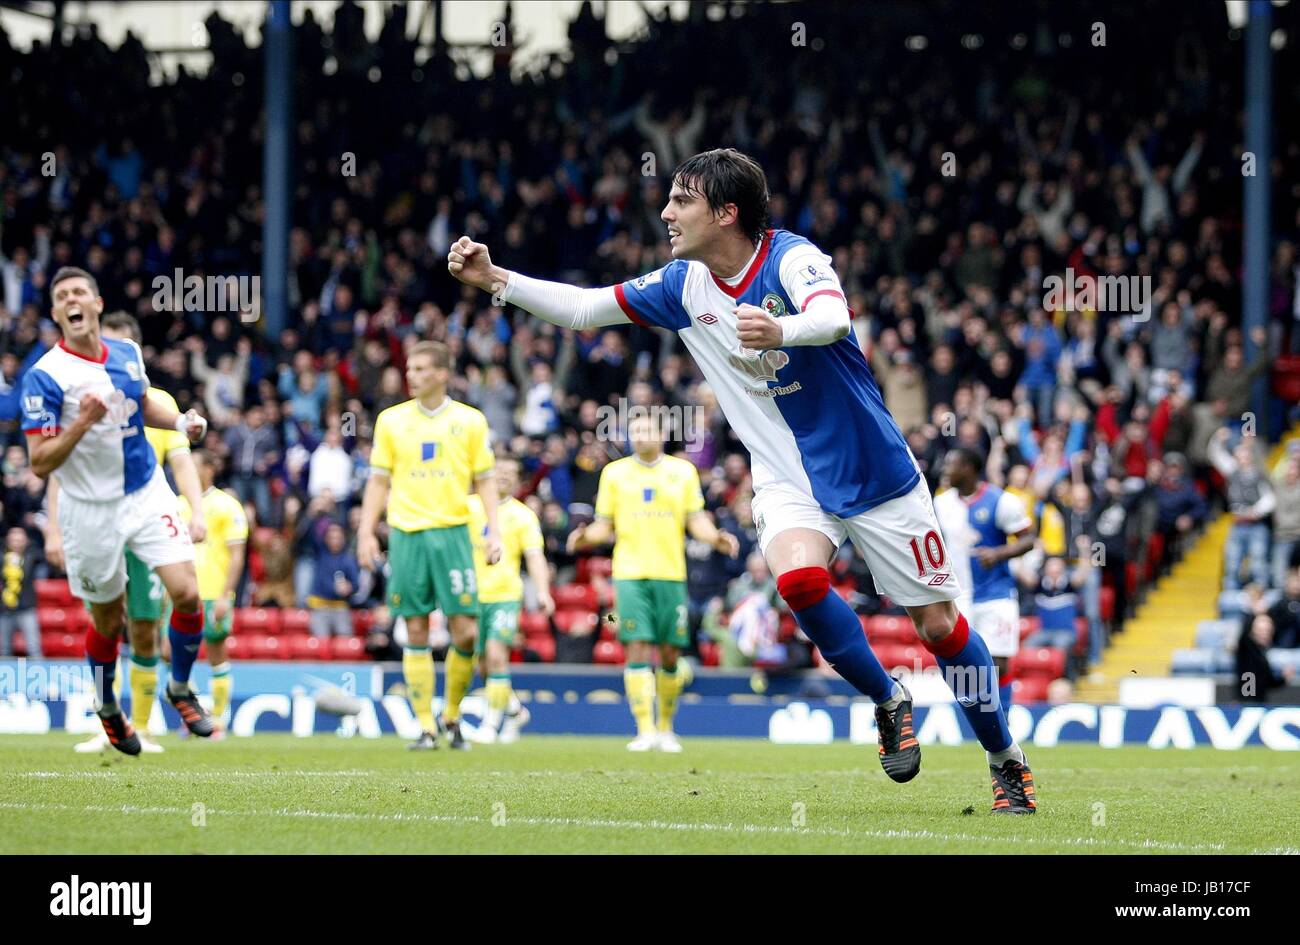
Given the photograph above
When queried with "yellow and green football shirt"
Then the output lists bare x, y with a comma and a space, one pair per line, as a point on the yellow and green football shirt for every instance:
520, 532
432, 460
649, 505
224, 516
165, 442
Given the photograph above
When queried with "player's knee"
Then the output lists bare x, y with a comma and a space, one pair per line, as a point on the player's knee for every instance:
186, 597
934, 623
143, 638
801, 588
668, 658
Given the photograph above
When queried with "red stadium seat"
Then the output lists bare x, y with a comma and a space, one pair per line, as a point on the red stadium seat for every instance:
1029, 626
1080, 647
348, 648
362, 621
890, 629
308, 648
257, 646
600, 567
235, 648
608, 652
53, 619
608, 630
62, 644
710, 653
1030, 689
575, 597
567, 620
263, 620
1045, 661
534, 625
789, 627
51, 592
890, 654
19, 644
1107, 603
295, 620
541, 647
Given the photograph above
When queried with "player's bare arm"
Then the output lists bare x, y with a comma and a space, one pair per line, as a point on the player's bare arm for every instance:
540, 572
485, 486
187, 480
49, 449
701, 527
592, 535
1021, 544
222, 605
373, 502
163, 417
53, 534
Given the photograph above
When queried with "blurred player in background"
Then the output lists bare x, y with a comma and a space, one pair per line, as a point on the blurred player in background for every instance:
428, 453
219, 562
84, 413
764, 316
144, 589
984, 528
501, 595
645, 503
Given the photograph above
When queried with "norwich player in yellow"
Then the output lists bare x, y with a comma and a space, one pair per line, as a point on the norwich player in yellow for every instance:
500, 597
428, 454
645, 502
219, 563
144, 589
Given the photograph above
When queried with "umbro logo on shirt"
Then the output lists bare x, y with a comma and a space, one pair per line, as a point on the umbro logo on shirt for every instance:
708, 318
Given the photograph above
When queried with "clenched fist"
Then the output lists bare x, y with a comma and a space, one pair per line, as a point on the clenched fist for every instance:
756, 329
470, 263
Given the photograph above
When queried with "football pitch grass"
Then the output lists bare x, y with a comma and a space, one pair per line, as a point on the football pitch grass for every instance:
280, 794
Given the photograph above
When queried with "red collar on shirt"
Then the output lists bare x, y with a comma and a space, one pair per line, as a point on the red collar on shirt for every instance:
974, 496
103, 353
738, 290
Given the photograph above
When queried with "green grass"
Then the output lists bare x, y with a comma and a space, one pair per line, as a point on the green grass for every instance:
279, 794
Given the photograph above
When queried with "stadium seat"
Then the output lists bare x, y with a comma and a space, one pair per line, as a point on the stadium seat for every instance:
53, 619
789, 628
257, 646
1216, 634
51, 592
1192, 662
1029, 626
235, 648
1080, 647
575, 597
1030, 689
308, 648
904, 656
62, 644
543, 648
710, 653
295, 620
1107, 603
1046, 661
263, 620
889, 629
601, 567
608, 630
566, 620
607, 652
348, 648
362, 621
534, 625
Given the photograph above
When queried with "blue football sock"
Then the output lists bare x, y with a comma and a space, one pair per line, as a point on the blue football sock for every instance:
834, 627
185, 631
969, 671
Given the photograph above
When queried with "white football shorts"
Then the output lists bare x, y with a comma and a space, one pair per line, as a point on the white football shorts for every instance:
97, 534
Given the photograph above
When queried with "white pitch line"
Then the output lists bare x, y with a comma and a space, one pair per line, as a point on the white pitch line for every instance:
180, 775
596, 824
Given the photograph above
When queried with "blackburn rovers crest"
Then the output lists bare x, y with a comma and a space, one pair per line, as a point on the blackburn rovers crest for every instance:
773, 305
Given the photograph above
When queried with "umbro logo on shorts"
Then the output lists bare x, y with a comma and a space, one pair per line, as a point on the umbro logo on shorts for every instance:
708, 318
938, 579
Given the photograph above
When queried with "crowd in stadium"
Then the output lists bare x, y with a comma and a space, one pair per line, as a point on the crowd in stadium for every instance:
945, 198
